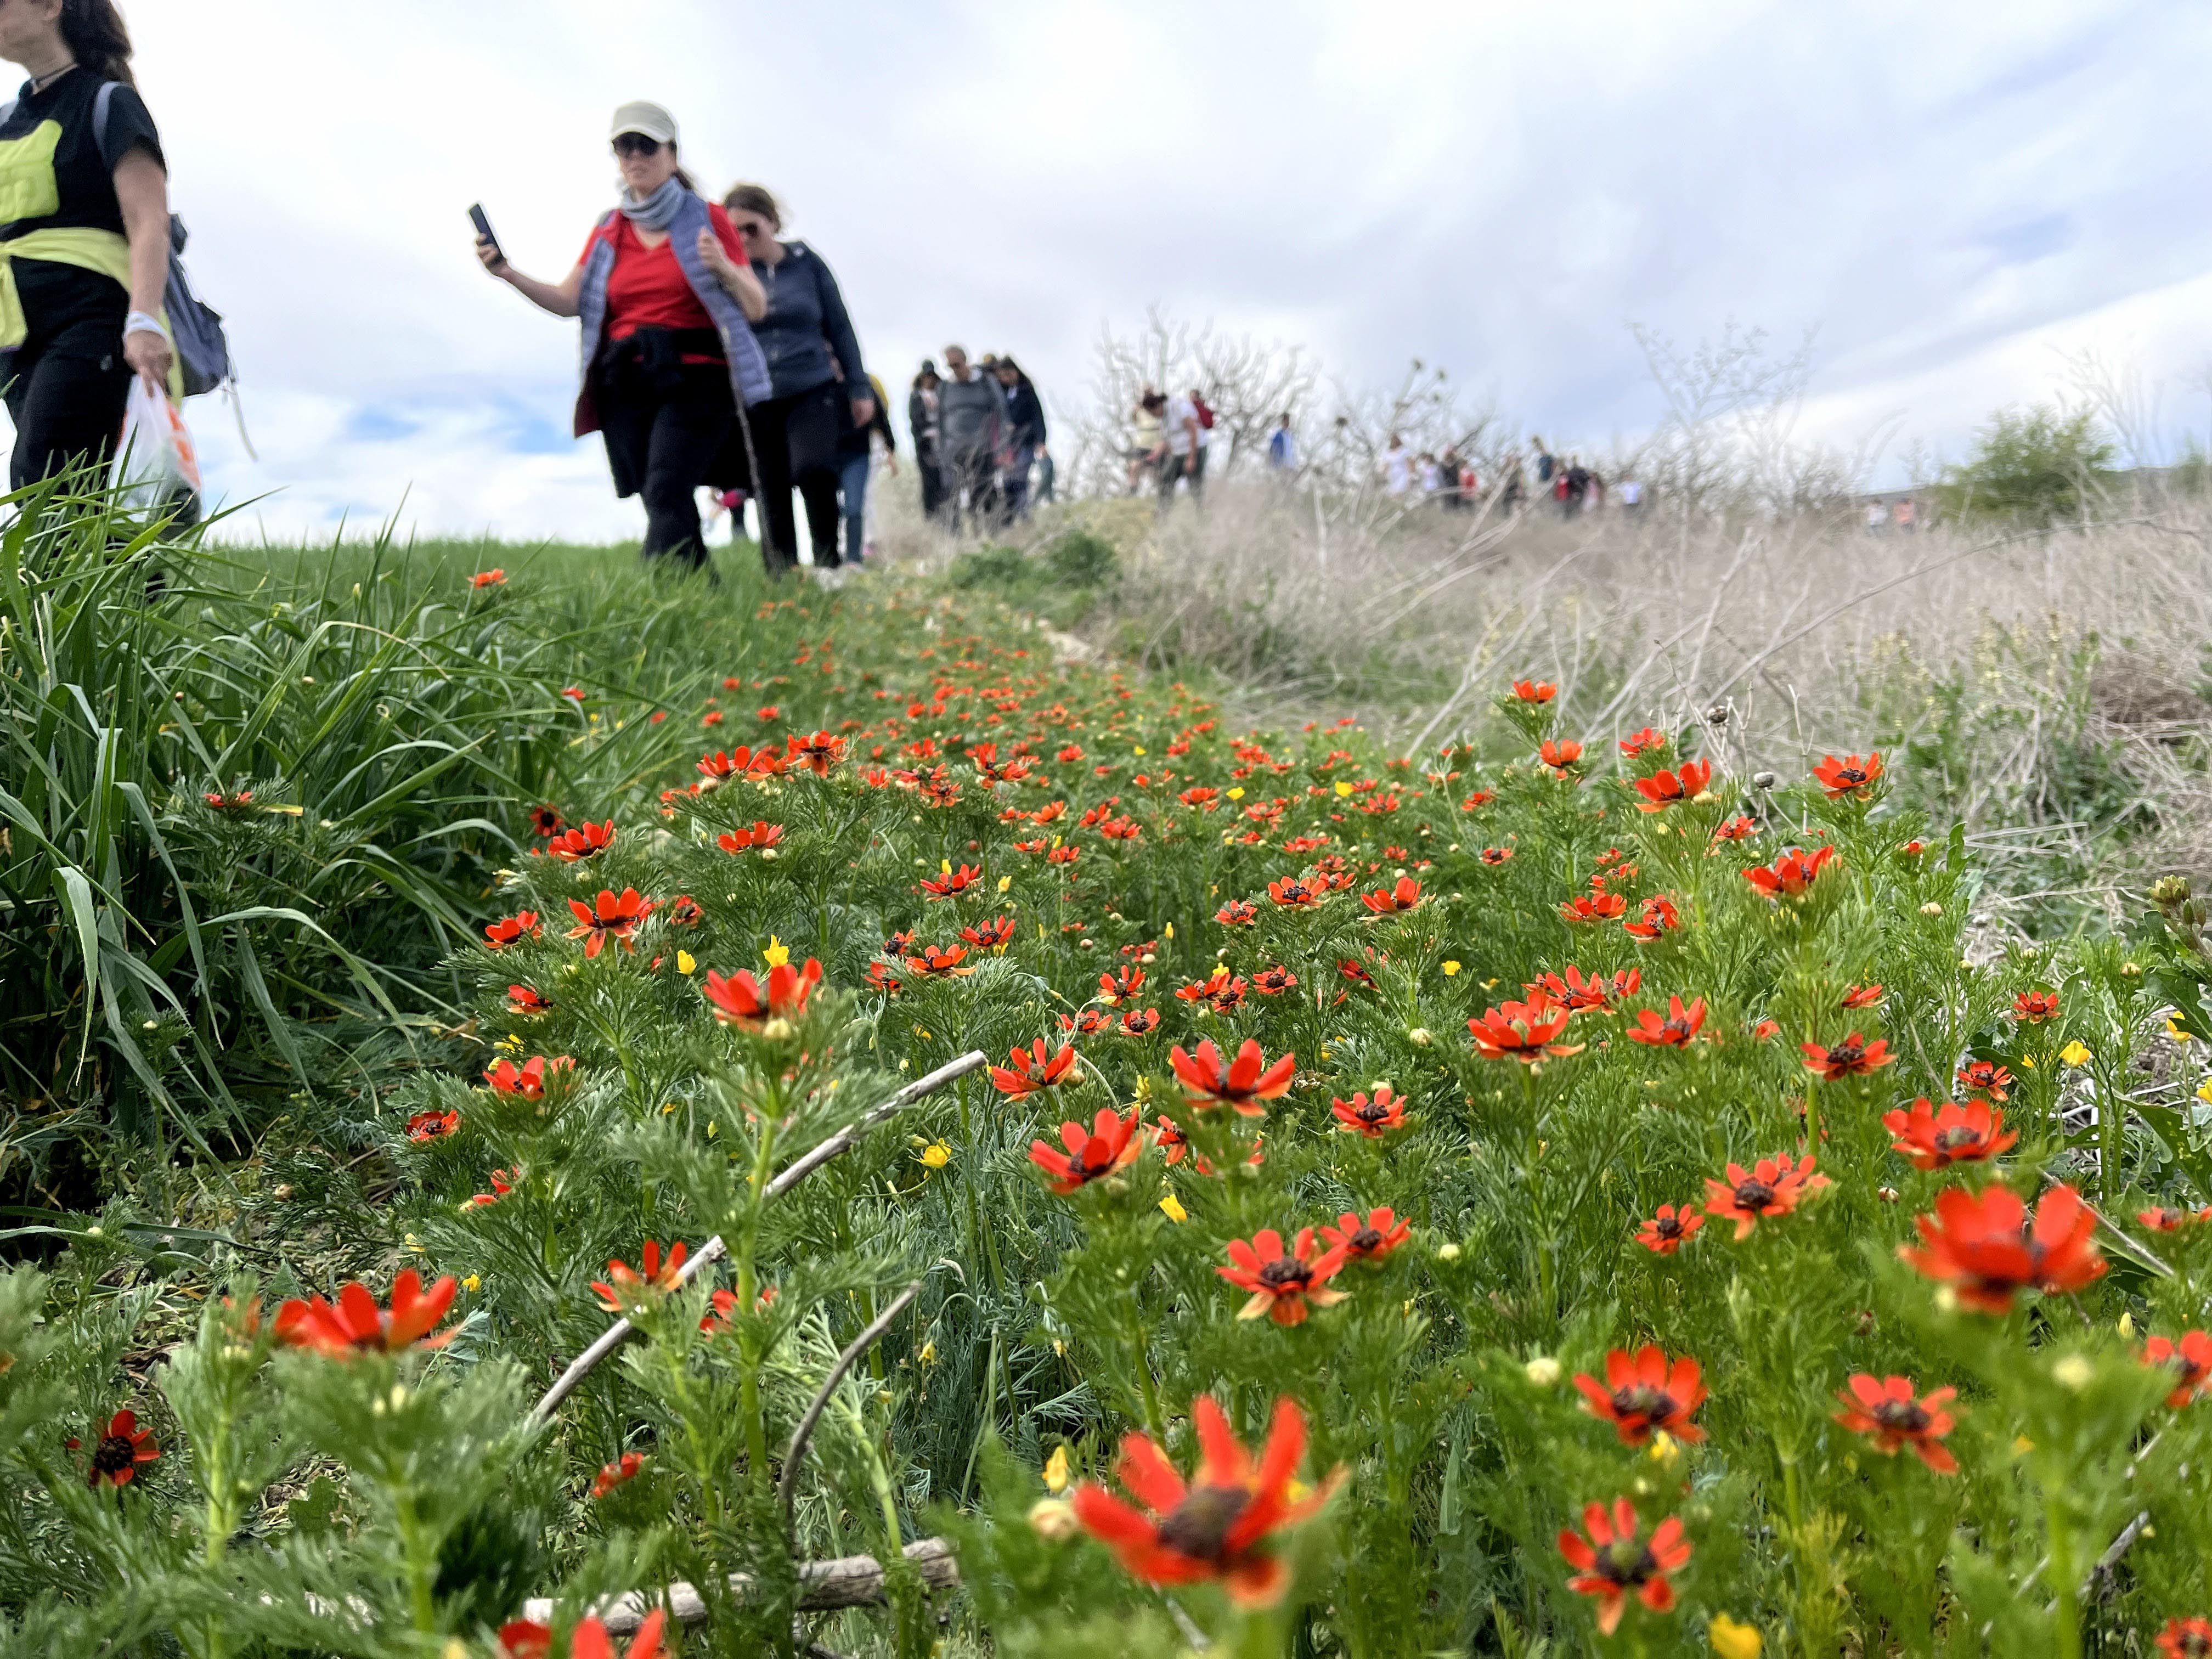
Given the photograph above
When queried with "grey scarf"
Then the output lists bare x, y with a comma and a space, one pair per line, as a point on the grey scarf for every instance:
657, 211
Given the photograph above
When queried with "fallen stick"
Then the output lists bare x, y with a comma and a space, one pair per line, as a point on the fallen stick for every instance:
713, 1249
851, 1581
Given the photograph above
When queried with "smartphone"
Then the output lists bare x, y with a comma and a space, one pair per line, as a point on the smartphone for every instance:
484, 227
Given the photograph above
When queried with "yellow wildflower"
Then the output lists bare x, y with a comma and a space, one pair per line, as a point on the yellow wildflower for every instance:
2076, 1053
1733, 1641
1055, 1470
685, 962
1171, 1207
777, 954
1450, 968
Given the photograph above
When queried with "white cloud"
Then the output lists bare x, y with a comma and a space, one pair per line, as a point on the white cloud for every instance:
1945, 189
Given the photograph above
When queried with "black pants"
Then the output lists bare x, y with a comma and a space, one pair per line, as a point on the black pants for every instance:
67, 406
927, 464
662, 442
795, 442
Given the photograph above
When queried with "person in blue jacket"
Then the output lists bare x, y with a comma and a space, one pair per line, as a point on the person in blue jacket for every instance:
1025, 435
820, 392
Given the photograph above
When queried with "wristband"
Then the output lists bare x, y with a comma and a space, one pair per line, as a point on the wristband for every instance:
140, 322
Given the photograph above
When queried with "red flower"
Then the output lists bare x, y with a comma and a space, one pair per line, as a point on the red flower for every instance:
1562, 757
546, 821
1388, 901
725, 1306
1238, 913
1790, 874
614, 1474
744, 840
1283, 1283
2191, 1360
355, 1324
1604, 908
1477, 801
1169, 1137
432, 1126
122, 1447
1672, 1032
528, 1080
1577, 994
1357, 973
1090, 1023
1273, 981
2035, 1007
820, 751
521, 1640
1931, 1140
1987, 1250
1122, 982
1535, 691
1033, 1070
507, 929
652, 1276
1775, 1185
2162, 1220
1613, 1562
1525, 1031
1242, 1084
1642, 1392
1140, 1022
684, 911
1214, 1527
743, 1001
1642, 742
1860, 996
583, 842
1201, 800
2185, 1639
1884, 1408
940, 962
768, 762
521, 1000
1669, 1229
1111, 1144
1657, 919
614, 919
489, 578
1853, 1057
1736, 829
1293, 894
1371, 1240
994, 935
501, 1185
1662, 789
1494, 856
1984, 1077
1371, 1118
1854, 775
951, 882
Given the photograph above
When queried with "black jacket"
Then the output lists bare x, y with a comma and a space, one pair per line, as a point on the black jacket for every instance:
1025, 417
805, 322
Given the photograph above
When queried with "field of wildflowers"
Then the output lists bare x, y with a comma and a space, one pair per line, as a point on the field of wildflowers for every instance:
1070, 1177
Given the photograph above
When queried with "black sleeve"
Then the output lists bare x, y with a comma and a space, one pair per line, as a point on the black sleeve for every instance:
882, 423
128, 124
837, 327
1036, 416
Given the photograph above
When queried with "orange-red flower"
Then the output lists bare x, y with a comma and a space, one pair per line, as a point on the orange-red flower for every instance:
1597, 992
1774, 1186
1663, 788
1666, 1231
355, 1324
502, 1183
610, 1475
522, 1000
1739, 828
768, 761
1642, 1392
1613, 1563
489, 578
1790, 874
940, 962
1525, 1031
527, 1080
1242, 1084
1111, 1144
743, 1001
1985, 1248
1648, 741
1238, 913
1562, 756
1985, 1077
1284, 1283
507, 929
546, 821
820, 752
2160, 1219
1672, 1032
1929, 1139
1860, 996
1885, 1410
1603, 908
1120, 983
1535, 691
2035, 1007
1854, 775
1369, 1240
1657, 919
1293, 893
995, 934
1034, 1069
1140, 1022
585, 840
750, 839
1216, 1527
951, 883
1374, 1118
652, 1277
1388, 901
432, 1126
1853, 1057
2190, 1359
613, 917
121, 1448
2185, 1639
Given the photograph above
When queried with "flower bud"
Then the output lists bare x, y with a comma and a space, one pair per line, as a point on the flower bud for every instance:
1054, 1519
1420, 1037
2074, 1372
1762, 780
1543, 1371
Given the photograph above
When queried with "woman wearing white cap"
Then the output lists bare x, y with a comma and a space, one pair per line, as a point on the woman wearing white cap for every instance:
666, 295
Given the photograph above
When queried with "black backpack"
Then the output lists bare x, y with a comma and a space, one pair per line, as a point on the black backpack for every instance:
195, 327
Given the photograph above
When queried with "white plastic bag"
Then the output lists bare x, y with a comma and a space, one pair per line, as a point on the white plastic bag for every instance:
155, 464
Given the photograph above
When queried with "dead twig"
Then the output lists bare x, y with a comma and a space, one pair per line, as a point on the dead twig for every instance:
795, 1453
851, 1581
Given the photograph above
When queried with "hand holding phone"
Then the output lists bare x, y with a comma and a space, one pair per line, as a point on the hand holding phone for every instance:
496, 257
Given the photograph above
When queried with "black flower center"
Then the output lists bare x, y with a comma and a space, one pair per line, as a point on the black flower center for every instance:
1627, 1561
114, 1454
1754, 1195
1199, 1526
1846, 1054
1374, 1112
1668, 1227
1285, 1273
1642, 1400
1365, 1242
1958, 1135
1851, 775
1901, 1416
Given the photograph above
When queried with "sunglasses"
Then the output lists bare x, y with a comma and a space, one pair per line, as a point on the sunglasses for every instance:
749, 227
636, 143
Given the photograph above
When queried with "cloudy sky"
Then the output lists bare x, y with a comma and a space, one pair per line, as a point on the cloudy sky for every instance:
1952, 192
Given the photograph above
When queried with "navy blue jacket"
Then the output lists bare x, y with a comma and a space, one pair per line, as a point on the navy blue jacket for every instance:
1025, 417
805, 322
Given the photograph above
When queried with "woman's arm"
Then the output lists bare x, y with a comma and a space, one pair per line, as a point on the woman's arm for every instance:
737, 279
142, 190
844, 344
559, 298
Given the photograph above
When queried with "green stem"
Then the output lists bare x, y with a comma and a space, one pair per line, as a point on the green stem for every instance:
2061, 1545
422, 1567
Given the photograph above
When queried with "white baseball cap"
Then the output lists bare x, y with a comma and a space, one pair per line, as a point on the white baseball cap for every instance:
649, 120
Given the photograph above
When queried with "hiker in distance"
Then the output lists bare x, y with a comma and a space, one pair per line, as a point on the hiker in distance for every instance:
667, 296
86, 260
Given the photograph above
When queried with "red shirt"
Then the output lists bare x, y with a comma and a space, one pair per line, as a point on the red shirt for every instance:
648, 289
